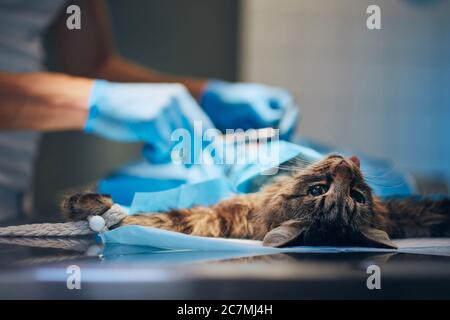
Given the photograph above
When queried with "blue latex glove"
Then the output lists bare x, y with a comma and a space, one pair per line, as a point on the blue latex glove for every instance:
246, 105
131, 112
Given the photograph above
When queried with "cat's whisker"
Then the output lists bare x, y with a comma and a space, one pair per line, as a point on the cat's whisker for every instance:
287, 169
378, 176
383, 185
296, 167
384, 173
292, 167
302, 161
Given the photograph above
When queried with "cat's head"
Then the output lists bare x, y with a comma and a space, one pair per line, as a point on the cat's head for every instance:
326, 203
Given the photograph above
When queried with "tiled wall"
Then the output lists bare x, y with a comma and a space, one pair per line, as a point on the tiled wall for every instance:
384, 92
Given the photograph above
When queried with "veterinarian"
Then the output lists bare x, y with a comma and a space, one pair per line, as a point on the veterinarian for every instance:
100, 92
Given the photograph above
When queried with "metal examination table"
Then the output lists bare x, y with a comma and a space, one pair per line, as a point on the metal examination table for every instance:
30, 271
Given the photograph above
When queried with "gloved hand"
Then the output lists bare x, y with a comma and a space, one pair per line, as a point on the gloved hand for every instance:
247, 105
131, 112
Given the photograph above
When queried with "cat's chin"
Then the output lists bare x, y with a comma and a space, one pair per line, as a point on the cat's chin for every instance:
354, 239
294, 233
357, 238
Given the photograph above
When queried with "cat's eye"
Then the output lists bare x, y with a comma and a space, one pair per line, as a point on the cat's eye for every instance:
357, 196
317, 190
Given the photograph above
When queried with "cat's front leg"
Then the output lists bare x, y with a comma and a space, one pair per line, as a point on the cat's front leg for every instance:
199, 221
229, 218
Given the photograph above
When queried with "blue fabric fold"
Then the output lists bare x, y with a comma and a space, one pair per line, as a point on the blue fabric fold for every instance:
185, 196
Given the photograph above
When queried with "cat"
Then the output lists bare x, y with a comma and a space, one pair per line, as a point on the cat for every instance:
325, 203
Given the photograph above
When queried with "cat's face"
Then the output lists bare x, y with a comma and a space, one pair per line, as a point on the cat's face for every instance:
327, 203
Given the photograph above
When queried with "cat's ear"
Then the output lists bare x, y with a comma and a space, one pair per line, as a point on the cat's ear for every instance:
376, 238
286, 234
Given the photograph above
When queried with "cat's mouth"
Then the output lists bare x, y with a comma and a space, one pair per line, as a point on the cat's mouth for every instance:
332, 236
327, 235
351, 239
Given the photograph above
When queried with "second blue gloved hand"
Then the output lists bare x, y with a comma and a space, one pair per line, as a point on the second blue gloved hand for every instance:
131, 112
246, 105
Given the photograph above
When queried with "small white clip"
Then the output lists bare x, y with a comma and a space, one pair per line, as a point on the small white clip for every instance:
97, 223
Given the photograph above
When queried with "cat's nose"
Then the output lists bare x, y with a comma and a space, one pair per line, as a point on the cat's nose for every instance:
343, 170
355, 160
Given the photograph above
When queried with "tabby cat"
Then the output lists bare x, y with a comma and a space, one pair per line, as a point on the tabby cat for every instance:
325, 203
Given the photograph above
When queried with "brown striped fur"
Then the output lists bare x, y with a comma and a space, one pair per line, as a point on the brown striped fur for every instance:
288, 211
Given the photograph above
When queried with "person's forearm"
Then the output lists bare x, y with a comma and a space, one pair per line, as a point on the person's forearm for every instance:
90, 52
43, 101
116, 68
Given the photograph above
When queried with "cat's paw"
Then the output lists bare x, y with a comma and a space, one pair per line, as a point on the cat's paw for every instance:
81, 205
